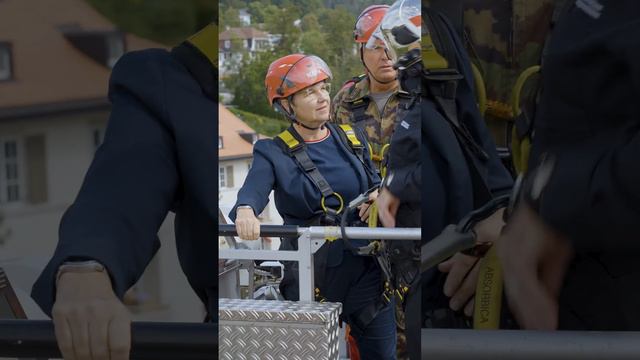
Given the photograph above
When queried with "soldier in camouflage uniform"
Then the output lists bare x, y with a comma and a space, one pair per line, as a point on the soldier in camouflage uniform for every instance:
373, 102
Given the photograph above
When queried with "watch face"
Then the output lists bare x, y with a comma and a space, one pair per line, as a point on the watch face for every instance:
542, 176
515, 195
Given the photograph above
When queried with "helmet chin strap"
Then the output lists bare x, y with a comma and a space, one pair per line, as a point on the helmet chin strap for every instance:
321, 127
291, 115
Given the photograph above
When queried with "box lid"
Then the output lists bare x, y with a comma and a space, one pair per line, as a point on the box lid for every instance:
278, 311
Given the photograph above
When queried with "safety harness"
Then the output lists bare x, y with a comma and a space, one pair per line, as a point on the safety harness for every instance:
293, 144
358, 109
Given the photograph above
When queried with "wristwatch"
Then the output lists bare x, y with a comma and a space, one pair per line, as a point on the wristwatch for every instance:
87, 266
530, 188
534, 186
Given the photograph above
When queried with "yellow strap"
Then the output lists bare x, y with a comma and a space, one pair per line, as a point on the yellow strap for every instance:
431, 58
373, 215
206, 40
330, 230
481, 89
517, 89
288, 139
488, 301
351, 135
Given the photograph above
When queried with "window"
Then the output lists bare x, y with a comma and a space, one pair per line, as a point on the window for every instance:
225, 177
11, 176
222, 175
5, 61
115, 45
227, 44
220, 143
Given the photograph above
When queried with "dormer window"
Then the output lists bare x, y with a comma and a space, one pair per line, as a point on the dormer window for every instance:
105, 47
5, 61
249, 137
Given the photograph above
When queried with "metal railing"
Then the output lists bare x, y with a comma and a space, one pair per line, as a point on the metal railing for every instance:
527, 344
149, 340
310, 239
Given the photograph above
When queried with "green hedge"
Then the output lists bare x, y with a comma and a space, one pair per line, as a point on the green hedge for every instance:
261, 124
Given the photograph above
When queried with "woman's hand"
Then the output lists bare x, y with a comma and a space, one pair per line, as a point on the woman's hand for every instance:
247, 224
365, 208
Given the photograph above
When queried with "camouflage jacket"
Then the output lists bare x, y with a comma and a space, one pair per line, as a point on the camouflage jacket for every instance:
378, 127
504, 39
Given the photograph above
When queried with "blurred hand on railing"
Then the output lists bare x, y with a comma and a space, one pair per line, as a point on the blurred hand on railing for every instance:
535, 259
462, 269
365, 209
90, 322
247, 224
388, 205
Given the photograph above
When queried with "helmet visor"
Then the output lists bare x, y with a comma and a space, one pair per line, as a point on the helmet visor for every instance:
305, 72
401, 27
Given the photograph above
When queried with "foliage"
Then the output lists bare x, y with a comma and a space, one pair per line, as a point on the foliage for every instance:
261, 124
166, 21
306, 26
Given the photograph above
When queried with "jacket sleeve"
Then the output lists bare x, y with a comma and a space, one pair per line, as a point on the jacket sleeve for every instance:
129, 187
405, 182
260, 180
593, 196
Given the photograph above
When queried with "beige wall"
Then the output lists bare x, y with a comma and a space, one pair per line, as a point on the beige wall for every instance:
69, 149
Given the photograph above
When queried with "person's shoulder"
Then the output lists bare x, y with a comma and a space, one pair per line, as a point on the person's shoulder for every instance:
142, 62
267, 146
139, 71
352, 89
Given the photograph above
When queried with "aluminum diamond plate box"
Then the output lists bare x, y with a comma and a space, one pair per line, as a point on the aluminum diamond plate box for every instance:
278, 330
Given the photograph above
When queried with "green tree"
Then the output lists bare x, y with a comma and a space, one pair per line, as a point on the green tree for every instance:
315, 42
165, 21
230, 18
262, 124
282, 21
310, 23
247, 85
325, 32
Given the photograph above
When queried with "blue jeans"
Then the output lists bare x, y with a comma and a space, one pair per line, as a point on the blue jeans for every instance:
357, 283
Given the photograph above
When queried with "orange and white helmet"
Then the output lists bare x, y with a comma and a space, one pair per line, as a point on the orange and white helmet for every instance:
292, 73
368, 21
401, 27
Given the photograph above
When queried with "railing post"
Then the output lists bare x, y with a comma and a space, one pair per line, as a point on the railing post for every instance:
305, 267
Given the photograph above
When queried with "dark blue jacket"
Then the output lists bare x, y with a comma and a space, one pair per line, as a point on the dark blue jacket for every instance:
296, 197
589, 119
449, 192
451, 186
159, 154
